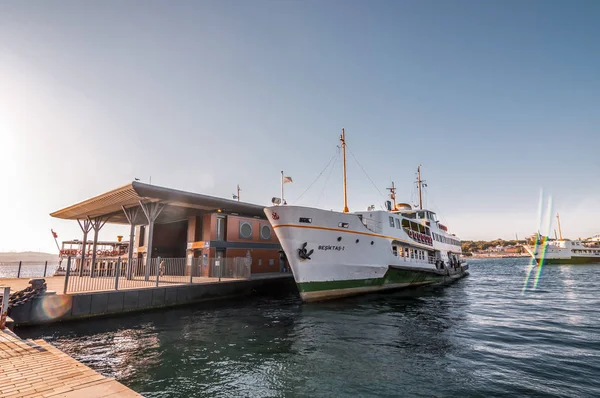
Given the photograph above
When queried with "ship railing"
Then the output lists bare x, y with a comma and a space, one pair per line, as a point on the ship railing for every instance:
372, 225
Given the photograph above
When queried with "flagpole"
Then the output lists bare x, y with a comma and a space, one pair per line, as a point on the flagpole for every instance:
282, 187
55, 241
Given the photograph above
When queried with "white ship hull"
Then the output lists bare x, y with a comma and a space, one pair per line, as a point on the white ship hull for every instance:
334, 254
564, 252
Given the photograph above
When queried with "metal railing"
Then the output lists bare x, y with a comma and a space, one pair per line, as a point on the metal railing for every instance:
28, 269
117, 274
231, 267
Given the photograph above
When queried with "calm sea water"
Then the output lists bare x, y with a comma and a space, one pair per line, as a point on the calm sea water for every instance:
479, 337
28, 269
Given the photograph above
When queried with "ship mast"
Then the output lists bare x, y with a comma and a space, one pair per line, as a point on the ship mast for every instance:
419, 182
343, 139
393, 194
559, 231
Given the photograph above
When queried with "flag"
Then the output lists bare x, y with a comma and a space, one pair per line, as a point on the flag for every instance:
54, 234
287, 179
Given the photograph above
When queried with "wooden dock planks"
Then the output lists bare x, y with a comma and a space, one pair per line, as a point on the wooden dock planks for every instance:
38, 369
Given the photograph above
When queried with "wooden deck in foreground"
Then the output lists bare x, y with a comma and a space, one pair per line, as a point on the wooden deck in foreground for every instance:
37, 369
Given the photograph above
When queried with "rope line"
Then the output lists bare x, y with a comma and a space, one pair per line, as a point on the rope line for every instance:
327, 180
382, 195
321, 173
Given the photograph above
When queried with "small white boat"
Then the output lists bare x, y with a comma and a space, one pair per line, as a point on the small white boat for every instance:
564, 251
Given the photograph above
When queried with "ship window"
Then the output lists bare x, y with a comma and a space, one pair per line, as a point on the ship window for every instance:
395, 251
412, 253
405, 223
343, 225
392, 222
397, 223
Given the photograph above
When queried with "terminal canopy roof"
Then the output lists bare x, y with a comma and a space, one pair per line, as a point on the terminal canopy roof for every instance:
179, 205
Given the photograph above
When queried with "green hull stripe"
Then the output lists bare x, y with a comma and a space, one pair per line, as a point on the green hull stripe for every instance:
392, 276
572, 260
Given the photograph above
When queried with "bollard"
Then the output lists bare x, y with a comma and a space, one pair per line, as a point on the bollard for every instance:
67, 274
45, 269
117, 271
4, 305
157, 270
19, 271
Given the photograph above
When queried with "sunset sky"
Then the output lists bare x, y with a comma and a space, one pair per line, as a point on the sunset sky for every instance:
498, 101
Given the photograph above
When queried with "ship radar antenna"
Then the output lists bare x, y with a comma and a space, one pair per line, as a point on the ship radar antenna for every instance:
420, 185
393, 194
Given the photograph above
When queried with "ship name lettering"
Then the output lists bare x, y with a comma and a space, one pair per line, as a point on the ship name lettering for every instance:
330, 247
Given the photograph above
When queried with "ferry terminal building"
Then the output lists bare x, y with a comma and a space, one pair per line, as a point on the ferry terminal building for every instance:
170, 223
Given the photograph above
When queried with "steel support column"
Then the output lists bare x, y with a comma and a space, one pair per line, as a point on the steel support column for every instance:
131, 215
97, 224
151, 211
85, 228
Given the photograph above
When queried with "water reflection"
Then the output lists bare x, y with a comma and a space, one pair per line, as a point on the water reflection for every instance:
478, 337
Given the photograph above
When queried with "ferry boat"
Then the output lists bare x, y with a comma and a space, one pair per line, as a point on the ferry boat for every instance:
335, 254
564, 251
73, 248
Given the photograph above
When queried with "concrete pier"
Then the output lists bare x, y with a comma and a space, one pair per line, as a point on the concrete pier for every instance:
53, 307
38, 369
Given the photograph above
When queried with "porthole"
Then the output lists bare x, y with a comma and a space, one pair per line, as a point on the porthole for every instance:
265, 232
356, 240
245, 230
339, 238
372, 243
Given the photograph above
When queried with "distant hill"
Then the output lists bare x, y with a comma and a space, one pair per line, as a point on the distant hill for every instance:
27, 256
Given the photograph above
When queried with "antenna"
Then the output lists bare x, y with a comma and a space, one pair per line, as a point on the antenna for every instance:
393, 194
420, 184
238, 193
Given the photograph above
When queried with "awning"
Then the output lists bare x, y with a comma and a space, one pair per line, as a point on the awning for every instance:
180, 204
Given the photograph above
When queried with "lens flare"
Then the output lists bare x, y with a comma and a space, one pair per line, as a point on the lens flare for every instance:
536, 243
51, 307
544, 242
